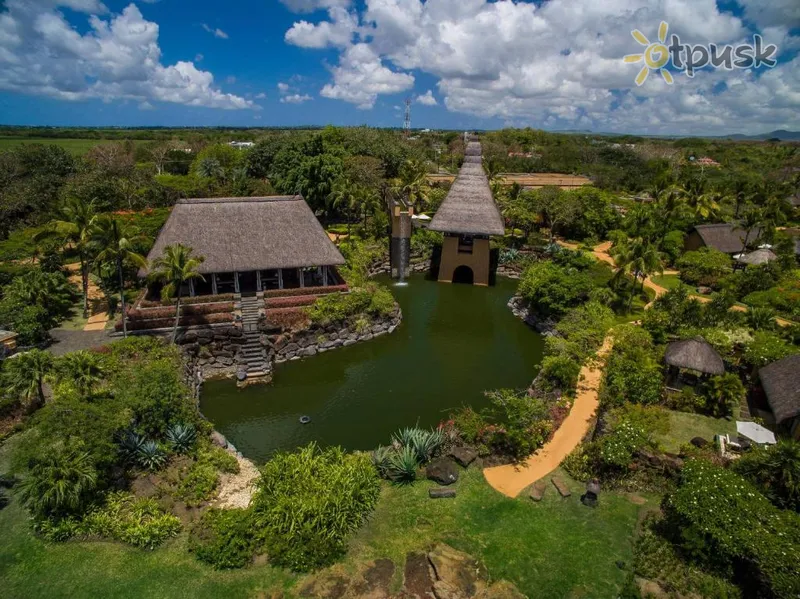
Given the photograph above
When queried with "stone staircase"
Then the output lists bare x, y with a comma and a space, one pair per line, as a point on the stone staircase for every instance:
252, 355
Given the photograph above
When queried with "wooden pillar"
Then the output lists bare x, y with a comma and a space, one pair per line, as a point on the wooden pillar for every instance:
235, 282
301, 276
324, 276
214, 283
258, 280
191, 288
280, 278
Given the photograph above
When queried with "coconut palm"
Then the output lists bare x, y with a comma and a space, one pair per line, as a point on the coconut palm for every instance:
343, 197
751, 220
210, 168
75, 229
175, 267
114, 244
725, 392
640, 258
82, 368
24, 375
413, 183
59, 482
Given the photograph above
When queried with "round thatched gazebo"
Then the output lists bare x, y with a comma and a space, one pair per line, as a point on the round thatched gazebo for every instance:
696, 356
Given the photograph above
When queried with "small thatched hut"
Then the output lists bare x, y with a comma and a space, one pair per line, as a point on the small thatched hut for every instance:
726, 237
252, 244
695, 355
780, 381
467, 217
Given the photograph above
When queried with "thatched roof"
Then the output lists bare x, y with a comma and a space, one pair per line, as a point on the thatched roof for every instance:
245, 234
694, 354
762, 256
726, 237
780, 382
469, 207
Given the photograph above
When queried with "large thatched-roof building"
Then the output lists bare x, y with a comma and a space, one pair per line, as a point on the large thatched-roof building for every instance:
725, 237
252, 244
780, 382
467, 217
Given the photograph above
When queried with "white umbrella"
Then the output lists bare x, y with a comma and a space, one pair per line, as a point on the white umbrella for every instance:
421, 217
755, 432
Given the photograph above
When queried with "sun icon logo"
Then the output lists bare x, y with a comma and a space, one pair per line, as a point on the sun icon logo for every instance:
655, 55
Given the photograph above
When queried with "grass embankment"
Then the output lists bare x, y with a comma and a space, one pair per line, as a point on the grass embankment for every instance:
683, 427
541, 547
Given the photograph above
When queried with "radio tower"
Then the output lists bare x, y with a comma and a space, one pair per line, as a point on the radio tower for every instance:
407, 120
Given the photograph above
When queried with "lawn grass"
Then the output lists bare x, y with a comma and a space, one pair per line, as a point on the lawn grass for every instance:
683, 427
669, 282
541, 547
76, 147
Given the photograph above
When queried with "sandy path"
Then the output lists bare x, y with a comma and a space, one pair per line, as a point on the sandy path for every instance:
98, 309
236, 490
511, 479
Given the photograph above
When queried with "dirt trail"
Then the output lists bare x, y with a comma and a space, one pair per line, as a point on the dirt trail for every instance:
98, 308
511, 479
236, 490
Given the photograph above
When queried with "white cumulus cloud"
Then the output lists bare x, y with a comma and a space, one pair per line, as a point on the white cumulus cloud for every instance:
427, 99
295, 98
312, 5
117, 58
337, 32
558, 64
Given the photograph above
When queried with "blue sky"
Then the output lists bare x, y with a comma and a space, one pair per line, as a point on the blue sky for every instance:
466, 63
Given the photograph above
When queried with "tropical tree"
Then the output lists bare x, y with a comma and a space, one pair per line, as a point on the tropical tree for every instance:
413, 183
751, 220
556, 207
775, 471
724, 393
59, 482
173, 268
75, 229
210, 168
24, 375
114, 243
640, 258
343, 197
83, 369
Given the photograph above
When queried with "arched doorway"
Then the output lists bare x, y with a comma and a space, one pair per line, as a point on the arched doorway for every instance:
463, 274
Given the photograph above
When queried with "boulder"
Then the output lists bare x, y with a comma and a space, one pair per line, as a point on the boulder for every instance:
699, 442
441, 493
502, 589
291, 348
218, 439
417, 577
349, 342
537, 490
309, 351
327, 585
443, 470
464, 455
561, 487
375, 582
461, 573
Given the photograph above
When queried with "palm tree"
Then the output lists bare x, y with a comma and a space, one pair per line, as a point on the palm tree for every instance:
639, 258
114, 243
343, 197
413, 183
83, 368
368, 201
751, 219
58, 482
175, 267
210, 168
726, 392
76, 229
25, 374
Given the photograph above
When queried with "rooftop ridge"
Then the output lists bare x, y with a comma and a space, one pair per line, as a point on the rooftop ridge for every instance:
284, 198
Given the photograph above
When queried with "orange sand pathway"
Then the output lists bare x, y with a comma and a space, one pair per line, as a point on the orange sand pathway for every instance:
513, 478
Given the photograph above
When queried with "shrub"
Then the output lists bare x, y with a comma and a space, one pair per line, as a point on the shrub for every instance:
618, 447
372, 300
523, 423
560, 372
130, 446
724, 394
190, 301
199, 484
402, 465
551, 290
469, 423
775, 471
219, 458
224, 538
721, 516
301, 291
137, 521
424, 443
766, 348
632, 374
308, 502
161, 313
706, 266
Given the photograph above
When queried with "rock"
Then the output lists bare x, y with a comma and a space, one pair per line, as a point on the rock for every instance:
188, 337
464, 455
561, 487
241, 375
699, 442
349, 342
225, 361
291, 348
443, 470
537, 490
205, 340
309, 351
417, 577
458, 570
441, 493
205, 334
367, 337
218, 439
235, 332
651, 589
444, 590
376, 581
326, 586
500, 590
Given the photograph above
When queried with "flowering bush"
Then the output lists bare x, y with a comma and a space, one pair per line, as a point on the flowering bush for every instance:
305, 291
199, 299
722, 516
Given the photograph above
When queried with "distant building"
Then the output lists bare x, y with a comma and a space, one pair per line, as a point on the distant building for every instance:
467, 217
725, 237
241, 144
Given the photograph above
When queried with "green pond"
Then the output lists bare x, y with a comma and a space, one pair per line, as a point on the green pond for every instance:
455, 342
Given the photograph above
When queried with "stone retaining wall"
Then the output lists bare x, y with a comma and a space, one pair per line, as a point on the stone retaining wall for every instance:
546, 327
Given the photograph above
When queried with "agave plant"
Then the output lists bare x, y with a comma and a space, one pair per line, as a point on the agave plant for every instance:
181, 437
404, 437
426, 443
150, 456
402, 465
130, 445
380, 458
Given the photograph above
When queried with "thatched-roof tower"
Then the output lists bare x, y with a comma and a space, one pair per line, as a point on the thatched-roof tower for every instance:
467, 217
694, 354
